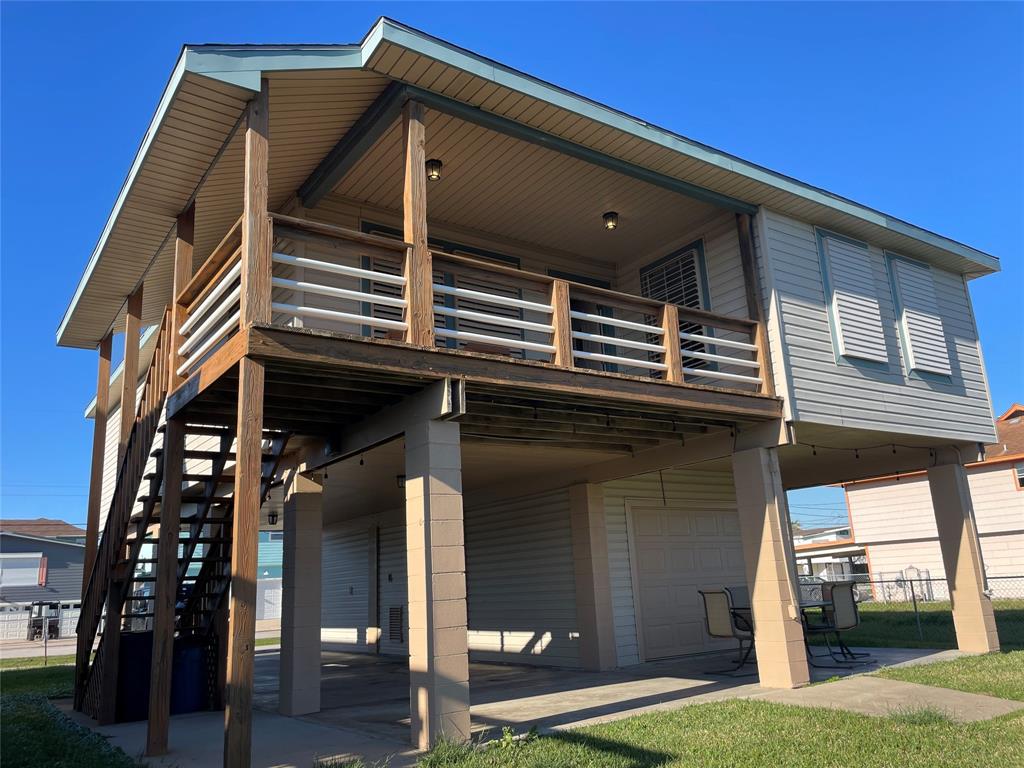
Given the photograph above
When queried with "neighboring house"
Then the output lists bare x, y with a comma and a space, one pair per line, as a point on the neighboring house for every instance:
828, 553
521, 375
45, 528
36, 569
893, 521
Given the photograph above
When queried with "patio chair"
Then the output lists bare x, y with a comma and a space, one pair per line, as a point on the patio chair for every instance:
838, 616
722, 620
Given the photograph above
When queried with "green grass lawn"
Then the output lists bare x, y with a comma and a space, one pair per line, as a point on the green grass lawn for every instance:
28, 662
995, 674
752, 734
894, 625
36, 735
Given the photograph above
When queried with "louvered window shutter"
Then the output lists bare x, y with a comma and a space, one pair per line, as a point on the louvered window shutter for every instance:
677, 280
920, 323
854, 301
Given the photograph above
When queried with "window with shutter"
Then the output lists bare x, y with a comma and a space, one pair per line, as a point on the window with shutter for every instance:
680, 279
852, 297
921, 331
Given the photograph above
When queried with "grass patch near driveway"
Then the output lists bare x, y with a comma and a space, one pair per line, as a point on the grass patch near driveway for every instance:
29, 662
994, 674
752, 734
51, 682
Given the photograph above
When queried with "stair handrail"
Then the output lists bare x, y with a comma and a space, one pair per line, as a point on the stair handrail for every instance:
129, 478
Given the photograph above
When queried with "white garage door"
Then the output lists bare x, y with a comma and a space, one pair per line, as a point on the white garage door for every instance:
678, 551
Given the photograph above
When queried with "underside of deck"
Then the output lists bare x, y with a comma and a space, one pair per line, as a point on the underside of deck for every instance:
317, 383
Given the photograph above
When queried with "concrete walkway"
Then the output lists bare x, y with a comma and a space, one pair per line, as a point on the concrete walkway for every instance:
880, 697
365, 702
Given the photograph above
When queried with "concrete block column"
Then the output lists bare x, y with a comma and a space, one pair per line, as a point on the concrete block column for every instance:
767, 552
438, 646
961, 555
593, 583
300, 599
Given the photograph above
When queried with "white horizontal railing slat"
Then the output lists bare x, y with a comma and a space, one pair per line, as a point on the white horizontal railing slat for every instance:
601, 319
337, 293
496, 340
344, 317
627, 361
338, 269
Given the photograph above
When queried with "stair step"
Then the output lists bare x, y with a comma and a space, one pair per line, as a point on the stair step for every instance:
148, 579
192, 477
189, 498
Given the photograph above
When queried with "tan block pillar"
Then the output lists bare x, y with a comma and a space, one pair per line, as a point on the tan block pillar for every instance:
767, 552
299, 691
438, 649
961, 555
593, 584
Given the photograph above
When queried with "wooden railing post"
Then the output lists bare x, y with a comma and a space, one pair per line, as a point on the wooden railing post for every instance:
183, 243
256, 226
673, 349
254, 308
561, 338
419, 272
99, 442
130, 370
752, 283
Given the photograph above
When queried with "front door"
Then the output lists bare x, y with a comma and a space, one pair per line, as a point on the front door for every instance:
676, 552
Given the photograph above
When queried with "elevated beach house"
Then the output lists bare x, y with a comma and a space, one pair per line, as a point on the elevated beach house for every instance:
518, 373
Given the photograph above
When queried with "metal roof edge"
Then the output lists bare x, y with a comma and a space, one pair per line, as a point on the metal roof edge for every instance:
435, 48
46, 539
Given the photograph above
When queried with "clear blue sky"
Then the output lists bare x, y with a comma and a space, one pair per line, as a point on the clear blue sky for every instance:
914, 109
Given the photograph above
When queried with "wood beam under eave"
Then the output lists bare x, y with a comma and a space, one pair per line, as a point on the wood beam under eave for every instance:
358, 139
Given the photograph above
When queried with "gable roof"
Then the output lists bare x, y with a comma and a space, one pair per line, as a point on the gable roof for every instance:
40, 527
1010, 432
216, 81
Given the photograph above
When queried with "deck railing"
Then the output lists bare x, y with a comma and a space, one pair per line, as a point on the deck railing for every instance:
336, 279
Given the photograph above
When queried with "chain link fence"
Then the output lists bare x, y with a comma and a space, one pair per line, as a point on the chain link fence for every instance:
914, 611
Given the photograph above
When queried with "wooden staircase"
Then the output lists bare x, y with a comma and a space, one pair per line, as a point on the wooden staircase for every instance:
123, 580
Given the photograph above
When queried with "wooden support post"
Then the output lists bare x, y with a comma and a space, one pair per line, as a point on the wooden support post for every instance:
182, 274
561, 337
673, 350
419, 272
130, 369
99, 442
256, 226
165, 591
244, 546
752, 283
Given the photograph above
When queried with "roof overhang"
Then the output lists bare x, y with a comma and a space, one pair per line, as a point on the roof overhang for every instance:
227, 75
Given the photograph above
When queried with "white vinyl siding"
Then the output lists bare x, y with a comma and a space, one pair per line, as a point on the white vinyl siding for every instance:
920, 324
344, 607
848, 393
687, 489
854, 299
393, 586
520, 583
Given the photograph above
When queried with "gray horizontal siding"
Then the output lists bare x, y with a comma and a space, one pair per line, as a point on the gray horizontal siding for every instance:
884, 397
63, 571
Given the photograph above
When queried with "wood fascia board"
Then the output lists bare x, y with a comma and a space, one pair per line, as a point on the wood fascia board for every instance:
321, 348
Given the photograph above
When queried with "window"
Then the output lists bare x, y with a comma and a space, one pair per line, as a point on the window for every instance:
680, 278
917, 311
1020, 474
21, 569
852, 298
